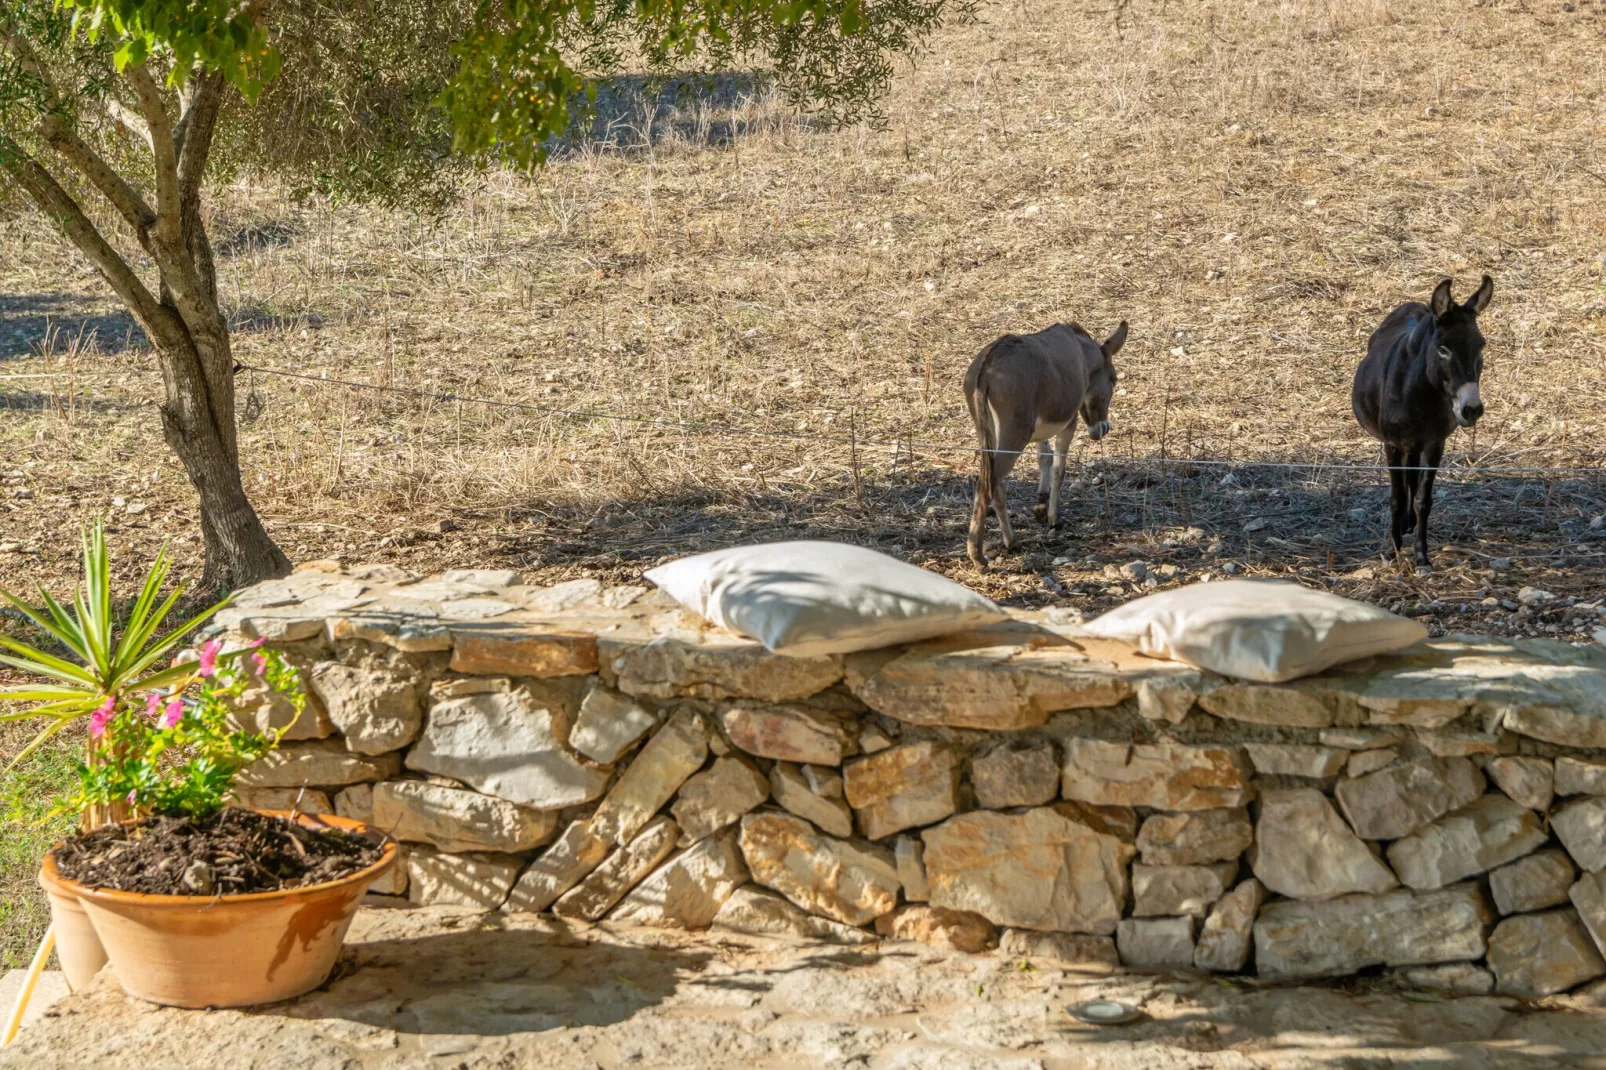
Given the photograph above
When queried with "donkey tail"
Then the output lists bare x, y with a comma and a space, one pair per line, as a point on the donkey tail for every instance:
986, 430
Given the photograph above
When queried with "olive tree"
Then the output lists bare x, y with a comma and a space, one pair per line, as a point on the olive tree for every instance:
115, 114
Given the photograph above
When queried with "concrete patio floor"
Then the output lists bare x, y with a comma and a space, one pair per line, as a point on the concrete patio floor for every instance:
443, 988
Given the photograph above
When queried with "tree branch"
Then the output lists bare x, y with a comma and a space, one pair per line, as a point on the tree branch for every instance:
128, 119
161, 129
57, 204
205, 99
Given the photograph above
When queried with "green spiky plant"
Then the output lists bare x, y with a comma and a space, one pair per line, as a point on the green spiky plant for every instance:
109, 660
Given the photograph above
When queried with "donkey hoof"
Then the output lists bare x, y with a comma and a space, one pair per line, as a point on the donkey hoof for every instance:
1041, 513
1424, 570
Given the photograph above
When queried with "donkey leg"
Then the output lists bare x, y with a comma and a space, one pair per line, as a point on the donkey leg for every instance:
1003, 462
978, 527
1062, 446
1398, 497
1045, 512
1429, 460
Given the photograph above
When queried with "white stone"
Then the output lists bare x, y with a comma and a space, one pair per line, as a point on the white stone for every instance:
376, 710
758, 912
1195, 837
618, 873
1045, 869
1536, 882
1529, 781
1227, 934
718, 797
1156, 943
1397, 801
1304, 850
790, 787
609, 723
511, 745
1581, 828
902, 787
489, 579
1295, 940
673, 754
560, 867
687, 891
1163, 891
1164, 776
1294, 759
455, 819
1538, 955
1489, 833
851, 882
435, 878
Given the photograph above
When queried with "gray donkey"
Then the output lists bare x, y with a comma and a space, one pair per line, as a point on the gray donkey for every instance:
1027, 388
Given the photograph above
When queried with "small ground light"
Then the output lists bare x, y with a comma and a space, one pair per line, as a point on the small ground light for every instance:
1104, 1012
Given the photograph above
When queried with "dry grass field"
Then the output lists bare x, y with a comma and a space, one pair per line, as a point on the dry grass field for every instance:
1252, 184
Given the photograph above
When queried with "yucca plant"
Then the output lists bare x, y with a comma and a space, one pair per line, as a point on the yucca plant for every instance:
107, 660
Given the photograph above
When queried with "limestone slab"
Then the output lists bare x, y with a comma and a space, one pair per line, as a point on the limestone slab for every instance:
301, 800
718, 797
1290, 707
619, 872
1304, 850
1362, 762
1296, 940
847, 881
670, 668
791, 787
787, 733
376, 709
609, 723
1580, 776
909, 853
1397, 801
1295, 759
1528, 781
356, 802
674, 753
1459, 978
1156, 943
1016, 774
953, 930
318, 762
687, 891
1044, 869
1170, 891
1588, 897
1581, 828
510, 744
759, 912
1163, 776
1195, 837
1228, 933
435, 878
569, 860
902, 787
1537, 955
1489, 833
455, 819
521, 649
1082, 952
1533, 883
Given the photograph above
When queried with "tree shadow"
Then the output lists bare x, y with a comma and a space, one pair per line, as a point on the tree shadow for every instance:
30, 323
255, 237
633, 113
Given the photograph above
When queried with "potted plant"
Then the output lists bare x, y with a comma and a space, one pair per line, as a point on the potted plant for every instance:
195, 903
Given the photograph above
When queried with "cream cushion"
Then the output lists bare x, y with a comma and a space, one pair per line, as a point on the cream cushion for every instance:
1264, 630
807, 598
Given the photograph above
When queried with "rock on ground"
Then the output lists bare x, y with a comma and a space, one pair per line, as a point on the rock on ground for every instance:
1045, 869
759, 912
687, 891
1156, 943
1303, 849
560, 867
1227, 934
1295, 940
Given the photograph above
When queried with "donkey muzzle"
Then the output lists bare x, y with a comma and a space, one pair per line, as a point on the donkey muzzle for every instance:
1098, 430
1467, 406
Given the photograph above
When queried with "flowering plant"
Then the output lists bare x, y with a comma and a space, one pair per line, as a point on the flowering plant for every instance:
179, 750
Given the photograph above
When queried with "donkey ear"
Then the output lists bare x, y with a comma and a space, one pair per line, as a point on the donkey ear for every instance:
1114, 342
1440, 301
1480, 300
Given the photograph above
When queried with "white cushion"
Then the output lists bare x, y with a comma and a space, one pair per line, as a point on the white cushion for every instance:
1265, 630
808, 598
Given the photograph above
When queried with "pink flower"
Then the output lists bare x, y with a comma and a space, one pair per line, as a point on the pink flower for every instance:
209, 653
131, 797
260, 662
153, 705
98, 719
257, 644
175, 712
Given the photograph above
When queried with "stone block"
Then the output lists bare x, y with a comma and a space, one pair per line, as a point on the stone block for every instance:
1289, 707
1531, 782
1536, 882
1195, 837
569, 860
1228, 933
668, 668
1296, 759
1490, 832
847, 881
319, 762
302, 800
1016, 775
672, 755
1362, 739
763, 913
609, 724
1538, 955
1156, 943
488, 579
1162, 891
910, 855
435, 878
718, 797
687, 891
619, 872
376, 709
1296, 940
1362, 762
1581, 828
791, 787
510, 744
1162, 776
1079, 951
902, 787
1304, 850
787, 733
458, 820
951, 930
1397, 801
1044, 869
1580, 776
521, 649
357, 803
1589, 899
1457, 978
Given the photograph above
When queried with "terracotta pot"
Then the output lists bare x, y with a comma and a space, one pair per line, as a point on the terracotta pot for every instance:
231, 950
77, 947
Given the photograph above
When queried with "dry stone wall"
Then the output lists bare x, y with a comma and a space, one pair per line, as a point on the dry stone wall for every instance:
599, 753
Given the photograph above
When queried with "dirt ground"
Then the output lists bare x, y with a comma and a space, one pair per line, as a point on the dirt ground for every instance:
1252, 185
444, 988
